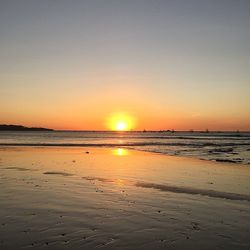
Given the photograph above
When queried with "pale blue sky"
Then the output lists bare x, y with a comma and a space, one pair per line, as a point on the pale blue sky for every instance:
184, 59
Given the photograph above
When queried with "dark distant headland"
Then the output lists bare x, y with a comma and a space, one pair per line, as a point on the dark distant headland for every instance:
4, 127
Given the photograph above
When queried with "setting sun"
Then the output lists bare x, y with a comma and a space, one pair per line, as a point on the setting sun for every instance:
121, 125
120, 122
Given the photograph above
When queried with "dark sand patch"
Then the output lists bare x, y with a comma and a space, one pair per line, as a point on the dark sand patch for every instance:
58, 173
236, 160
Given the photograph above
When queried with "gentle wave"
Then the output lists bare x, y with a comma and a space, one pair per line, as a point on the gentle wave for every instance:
232, 147
125, 144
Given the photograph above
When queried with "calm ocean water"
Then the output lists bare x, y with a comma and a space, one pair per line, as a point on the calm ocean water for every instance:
216, 146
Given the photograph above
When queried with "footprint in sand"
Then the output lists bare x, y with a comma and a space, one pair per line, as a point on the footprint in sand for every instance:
195, 226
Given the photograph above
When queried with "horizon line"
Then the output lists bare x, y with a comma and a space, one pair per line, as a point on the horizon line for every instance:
206, 130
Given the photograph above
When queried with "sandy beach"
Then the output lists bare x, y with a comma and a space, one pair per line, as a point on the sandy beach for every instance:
88, 198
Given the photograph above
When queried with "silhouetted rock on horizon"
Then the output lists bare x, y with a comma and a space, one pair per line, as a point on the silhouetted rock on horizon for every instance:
4, 127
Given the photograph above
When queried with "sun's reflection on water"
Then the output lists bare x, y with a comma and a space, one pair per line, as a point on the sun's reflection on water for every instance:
120, 152
119, 182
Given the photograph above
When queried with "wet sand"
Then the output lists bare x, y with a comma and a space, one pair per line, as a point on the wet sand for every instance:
88, 198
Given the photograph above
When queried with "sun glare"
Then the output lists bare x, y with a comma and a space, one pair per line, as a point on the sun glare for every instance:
120, 122
121, 126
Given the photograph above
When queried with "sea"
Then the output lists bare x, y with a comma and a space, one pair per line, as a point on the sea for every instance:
232, 147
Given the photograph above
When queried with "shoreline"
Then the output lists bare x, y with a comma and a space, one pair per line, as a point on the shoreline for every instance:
125, 146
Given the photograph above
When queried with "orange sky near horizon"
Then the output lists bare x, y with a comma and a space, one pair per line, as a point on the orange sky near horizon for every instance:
63, 121
74, 109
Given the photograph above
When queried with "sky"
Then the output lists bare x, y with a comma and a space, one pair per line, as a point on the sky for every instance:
166, 64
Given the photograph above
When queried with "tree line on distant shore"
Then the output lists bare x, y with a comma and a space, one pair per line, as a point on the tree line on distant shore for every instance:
4, 127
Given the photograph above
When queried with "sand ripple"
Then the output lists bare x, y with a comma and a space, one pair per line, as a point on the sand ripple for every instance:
18, 168
179, 189
188, 190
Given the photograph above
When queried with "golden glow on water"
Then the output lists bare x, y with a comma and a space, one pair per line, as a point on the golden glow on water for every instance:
120, 122
119, 182
105, 167
120, 151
